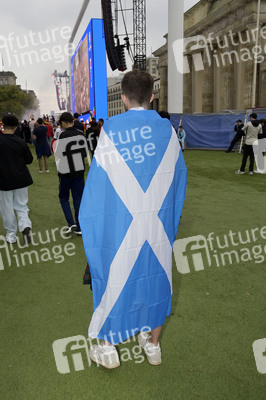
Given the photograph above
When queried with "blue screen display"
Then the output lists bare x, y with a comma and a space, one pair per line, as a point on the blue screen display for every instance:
88, 72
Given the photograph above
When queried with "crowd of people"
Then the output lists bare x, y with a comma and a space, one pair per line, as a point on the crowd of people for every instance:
44, 133
252, 132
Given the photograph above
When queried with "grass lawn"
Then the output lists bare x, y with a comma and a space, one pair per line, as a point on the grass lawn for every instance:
217, 312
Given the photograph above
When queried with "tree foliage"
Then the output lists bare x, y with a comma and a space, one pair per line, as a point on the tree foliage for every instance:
16, 101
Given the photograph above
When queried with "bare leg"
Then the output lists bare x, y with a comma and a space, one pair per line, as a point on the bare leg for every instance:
40, 163
46, 162
155, 335
105, 343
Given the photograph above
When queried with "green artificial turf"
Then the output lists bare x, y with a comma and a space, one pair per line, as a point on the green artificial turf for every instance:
217, 313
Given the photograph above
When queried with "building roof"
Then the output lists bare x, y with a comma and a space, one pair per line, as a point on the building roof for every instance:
7, 73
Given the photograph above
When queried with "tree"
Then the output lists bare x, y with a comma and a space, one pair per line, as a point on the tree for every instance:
17, 101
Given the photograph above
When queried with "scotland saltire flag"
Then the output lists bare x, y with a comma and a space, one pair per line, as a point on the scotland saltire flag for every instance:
129, 215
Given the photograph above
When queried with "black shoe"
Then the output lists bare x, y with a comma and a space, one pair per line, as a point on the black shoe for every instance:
27, 235
227, 151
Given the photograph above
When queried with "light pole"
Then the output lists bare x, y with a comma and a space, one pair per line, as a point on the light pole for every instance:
175, 78
254, 86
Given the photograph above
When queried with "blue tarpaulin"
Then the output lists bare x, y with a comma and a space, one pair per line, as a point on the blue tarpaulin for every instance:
209, 131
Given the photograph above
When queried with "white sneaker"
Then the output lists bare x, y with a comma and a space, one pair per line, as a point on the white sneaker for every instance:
11, 238
240, 172
153, 353
106, 356
70, 229
258, 171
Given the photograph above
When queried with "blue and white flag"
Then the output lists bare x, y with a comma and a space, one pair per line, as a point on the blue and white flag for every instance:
129, 215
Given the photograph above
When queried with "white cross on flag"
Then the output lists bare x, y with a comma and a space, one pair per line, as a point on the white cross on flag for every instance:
129, 217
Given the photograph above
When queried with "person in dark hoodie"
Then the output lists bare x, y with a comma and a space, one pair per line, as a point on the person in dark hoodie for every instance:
14, 181
77, 123
43, 150
263, 134
70, 152
253, 129
239, 133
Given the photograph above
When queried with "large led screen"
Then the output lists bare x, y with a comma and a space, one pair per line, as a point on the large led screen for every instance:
88, 72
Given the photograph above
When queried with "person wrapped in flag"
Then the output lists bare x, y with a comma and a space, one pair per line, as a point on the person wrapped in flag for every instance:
129, 215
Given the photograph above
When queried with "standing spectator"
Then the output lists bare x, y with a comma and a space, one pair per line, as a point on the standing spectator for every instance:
57, 131
181, 134
92, 135
43, 150
129, 217
260, 137
50, 132
32, 126
26, 132
71, 174
253, 129
18, 131
239, 133
14, 181
263, 125
100, 122
164, 114
77, 123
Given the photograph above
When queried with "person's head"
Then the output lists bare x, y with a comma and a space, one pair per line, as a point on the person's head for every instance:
253, 116
76, 116
262, 121
10, 123
164, 114
94, 126
137, 87
100, 121
180, 127
40, 121
239, 122
66, 120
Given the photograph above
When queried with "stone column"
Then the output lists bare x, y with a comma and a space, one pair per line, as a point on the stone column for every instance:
163, 88
187, 99
216, 81
207, 89
197, 82
238, 81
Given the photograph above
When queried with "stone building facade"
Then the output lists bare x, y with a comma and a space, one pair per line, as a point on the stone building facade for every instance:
7, 78
153, 67
115, 105
219, 60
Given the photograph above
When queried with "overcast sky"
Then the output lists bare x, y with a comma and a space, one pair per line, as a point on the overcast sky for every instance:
22, 21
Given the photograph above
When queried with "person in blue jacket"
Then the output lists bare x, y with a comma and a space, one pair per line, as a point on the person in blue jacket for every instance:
181, 134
